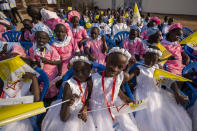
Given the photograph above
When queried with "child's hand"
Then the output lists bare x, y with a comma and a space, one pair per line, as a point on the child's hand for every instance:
44, 60
127, 100
180, 99
172, 58
136, 71
92, 58
83, 114
72, 99
132, 61
28, 75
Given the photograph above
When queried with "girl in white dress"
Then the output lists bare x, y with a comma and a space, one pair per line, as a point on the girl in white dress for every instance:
65, 117
106, 93
26, 89
162, 112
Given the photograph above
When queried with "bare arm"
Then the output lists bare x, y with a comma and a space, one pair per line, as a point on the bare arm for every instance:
34, 86
65, 109
124, 97
90, 56
104, 49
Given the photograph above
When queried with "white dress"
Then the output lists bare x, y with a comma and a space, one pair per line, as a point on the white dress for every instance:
22, 125
102, 118
162, 113
52, 121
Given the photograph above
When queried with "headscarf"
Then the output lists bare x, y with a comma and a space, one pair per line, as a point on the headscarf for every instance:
134, 27
42, 27
175, 26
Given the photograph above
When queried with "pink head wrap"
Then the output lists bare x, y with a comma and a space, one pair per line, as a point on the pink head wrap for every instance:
175, 26
155, 18
72, 14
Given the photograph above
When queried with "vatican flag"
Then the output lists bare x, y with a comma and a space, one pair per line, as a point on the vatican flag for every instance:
191, 41
11, 72
136, 15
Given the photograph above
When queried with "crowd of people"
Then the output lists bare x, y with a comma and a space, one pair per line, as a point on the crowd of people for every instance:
68, 39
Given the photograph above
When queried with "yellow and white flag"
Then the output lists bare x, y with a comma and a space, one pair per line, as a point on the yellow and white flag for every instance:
191, 41
165, 53
136, 15
159, 74
18, 112
11, 72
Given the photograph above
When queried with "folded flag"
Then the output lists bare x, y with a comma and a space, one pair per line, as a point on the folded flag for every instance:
191, 41
136, 15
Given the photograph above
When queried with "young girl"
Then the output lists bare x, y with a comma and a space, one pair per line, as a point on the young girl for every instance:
79, 33
171, 44
47, 57
162, 112
65, 46
106, 92
69, 116
25, 89
26, 30
97, 45
134, 44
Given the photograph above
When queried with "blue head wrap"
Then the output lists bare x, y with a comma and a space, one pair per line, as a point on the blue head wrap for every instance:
42, 27
152, 31
134, 27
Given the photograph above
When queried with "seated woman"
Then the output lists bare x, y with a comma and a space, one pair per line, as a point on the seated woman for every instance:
171, 43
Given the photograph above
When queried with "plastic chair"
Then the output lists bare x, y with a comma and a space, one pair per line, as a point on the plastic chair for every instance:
120, 37
189, 52
187, 32
110, 43
70, 73
190, 91
43, 78
12, 36
26, 45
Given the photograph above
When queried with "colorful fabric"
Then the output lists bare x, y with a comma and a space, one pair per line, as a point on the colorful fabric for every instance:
96, 46
174, 66
135, 47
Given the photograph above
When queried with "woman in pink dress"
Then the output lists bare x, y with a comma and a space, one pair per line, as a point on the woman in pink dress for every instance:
65, 46
134, 44
79, 33
47, 57
172, 45
98, 46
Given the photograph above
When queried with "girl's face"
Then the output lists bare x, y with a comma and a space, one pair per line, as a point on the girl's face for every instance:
151, 59
175, 35
4, 50
60, 32
42, 38
133, 34
81, 70
75, 22
156, 38
94, 33
115, 63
